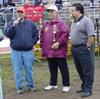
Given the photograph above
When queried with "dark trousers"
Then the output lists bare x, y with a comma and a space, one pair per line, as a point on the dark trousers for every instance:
84, 61
54, 63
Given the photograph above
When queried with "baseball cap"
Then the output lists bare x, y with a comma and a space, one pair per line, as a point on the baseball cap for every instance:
21, 9
52, 7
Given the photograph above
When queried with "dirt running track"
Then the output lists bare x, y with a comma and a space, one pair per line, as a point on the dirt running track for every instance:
57, 94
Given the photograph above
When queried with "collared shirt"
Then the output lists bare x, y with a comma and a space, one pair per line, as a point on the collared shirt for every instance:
78, 19
81, 30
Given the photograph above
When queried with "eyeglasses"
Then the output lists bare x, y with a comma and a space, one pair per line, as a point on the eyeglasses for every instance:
50, 11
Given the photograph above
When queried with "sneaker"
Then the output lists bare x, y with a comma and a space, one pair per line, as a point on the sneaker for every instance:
86, 94
50, 87
20, 91
66, 89
32, 89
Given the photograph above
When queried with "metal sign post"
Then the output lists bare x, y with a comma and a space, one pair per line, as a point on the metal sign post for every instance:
1, 89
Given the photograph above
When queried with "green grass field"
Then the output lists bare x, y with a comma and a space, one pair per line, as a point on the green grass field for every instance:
41, 73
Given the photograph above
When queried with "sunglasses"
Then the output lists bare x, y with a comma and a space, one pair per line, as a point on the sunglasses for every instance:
20, 12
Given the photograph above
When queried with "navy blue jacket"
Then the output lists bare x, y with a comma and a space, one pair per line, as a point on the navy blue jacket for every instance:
23, 36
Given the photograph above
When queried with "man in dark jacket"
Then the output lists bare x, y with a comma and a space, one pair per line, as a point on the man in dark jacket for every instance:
23, 36
58, 3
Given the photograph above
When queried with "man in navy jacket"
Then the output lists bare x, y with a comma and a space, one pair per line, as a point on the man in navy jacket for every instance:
23, 35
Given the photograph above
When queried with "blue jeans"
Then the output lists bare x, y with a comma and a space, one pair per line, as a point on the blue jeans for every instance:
84, 61
20, 60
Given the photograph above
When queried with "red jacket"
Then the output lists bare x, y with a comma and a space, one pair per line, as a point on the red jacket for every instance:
61, 36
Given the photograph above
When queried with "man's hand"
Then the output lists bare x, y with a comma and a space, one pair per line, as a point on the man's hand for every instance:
55, 45
17, 21
90, 41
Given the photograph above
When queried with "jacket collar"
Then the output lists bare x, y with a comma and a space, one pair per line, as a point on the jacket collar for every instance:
78, 19
53, 21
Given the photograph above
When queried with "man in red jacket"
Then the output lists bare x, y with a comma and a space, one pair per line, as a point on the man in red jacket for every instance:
54, 37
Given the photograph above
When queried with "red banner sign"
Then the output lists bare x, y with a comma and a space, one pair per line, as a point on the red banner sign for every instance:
34, 13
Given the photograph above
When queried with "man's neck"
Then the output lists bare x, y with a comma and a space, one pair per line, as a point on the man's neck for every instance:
77, 18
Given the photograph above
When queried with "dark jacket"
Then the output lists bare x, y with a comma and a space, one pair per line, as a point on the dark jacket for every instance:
23, 36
